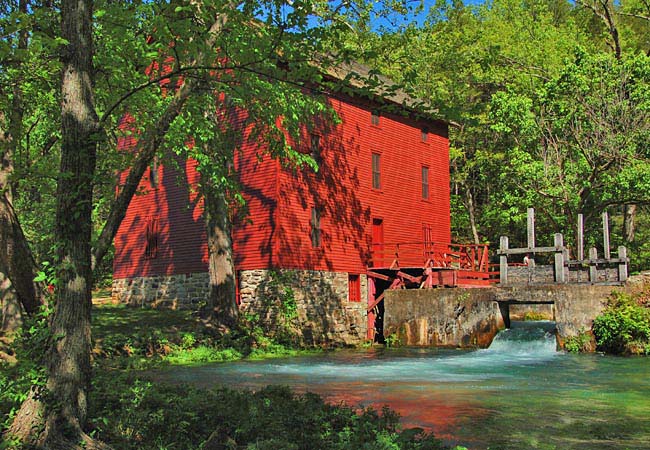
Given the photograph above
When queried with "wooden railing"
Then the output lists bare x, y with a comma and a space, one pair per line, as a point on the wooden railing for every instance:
461, 257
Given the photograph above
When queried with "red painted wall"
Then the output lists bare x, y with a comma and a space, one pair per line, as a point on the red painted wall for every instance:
343, 191
278, 230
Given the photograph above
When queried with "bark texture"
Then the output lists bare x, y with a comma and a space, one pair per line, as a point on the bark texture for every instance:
11, 310
629, 217
69, 370
222, 305
17, 263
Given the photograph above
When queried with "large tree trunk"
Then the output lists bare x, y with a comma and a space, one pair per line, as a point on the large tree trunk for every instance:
11, 310
17, 262
629, 216
222, 306
69, 369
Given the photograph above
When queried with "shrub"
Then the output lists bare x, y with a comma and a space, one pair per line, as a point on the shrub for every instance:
624, 326
136, 414
583, 342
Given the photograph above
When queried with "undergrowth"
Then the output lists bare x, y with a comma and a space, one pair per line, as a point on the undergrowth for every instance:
624, 326
144, 415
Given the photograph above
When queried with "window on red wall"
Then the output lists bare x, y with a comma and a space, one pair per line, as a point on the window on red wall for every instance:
316, 238
374, 118
425, 182
152, 234
314, 147
425, 134
376, 171
354, 288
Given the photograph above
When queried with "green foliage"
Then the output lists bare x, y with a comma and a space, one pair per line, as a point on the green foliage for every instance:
534, 315
280, 307
29, 371
131, 413
580, 343
393, 340
624, 325
142, 337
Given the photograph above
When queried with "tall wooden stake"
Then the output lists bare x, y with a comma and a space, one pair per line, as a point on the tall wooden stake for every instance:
593, 270
581, 237
559, 258
530, 225
503, 261
622, 265
606, 236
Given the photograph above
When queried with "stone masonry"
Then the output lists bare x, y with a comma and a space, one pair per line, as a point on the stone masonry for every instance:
325, 317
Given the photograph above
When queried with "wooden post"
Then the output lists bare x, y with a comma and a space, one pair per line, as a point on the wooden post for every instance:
593, 270
503, 261
559, 258
622, 265
606, 236
530, 225
581, 237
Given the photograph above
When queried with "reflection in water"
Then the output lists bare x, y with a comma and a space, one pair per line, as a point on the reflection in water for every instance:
519, 393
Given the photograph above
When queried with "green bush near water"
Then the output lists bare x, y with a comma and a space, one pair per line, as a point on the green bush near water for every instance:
143, 415
624, 326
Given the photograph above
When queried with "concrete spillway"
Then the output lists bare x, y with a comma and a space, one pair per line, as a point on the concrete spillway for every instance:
472, 317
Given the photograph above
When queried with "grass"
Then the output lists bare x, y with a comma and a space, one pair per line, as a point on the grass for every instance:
141, 338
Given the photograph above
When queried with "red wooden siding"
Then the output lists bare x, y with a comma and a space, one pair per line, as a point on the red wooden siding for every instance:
181, 244
343, 191
278, 231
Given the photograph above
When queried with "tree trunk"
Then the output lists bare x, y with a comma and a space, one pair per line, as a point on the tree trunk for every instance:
222, 306
17, 260
629, 216
11, 310
472, 214
69, 370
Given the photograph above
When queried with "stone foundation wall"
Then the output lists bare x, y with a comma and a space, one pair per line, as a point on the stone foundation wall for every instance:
184, 291
324, 316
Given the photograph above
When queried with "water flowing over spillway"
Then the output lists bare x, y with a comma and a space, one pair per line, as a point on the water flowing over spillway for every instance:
519, 393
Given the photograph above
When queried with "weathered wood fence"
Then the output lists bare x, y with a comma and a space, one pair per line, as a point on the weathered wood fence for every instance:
595, 270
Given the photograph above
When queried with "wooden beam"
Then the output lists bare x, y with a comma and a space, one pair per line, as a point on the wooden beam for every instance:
606, 236
559, 258
503, 260
581, 237
379, 276
593, 271
530, 226
376, 301
411, 278
622, 266
523, 250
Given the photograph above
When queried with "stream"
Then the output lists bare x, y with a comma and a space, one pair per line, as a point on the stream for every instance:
518, 394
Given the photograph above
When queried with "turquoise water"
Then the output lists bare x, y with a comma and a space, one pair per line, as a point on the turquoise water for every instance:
518, 394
